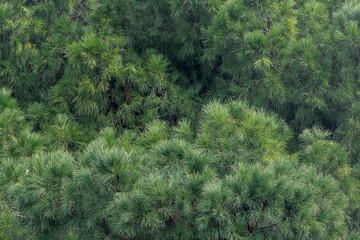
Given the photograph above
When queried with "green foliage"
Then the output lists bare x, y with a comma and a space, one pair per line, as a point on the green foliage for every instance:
250, 40
66, 132
177, 119
9, 229
236, 132
158, 185
327, 155
274, 202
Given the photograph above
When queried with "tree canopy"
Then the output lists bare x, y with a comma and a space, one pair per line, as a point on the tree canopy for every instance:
177, 119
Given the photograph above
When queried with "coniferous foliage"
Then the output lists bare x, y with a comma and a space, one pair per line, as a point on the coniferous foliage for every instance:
159, 186
178, 119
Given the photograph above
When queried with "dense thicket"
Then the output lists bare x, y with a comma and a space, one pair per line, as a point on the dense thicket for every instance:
177, 119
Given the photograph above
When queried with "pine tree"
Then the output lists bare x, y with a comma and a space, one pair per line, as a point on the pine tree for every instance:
232, 183
179, 119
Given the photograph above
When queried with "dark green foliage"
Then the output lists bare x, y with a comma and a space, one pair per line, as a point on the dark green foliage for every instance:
8, 225
178, 119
